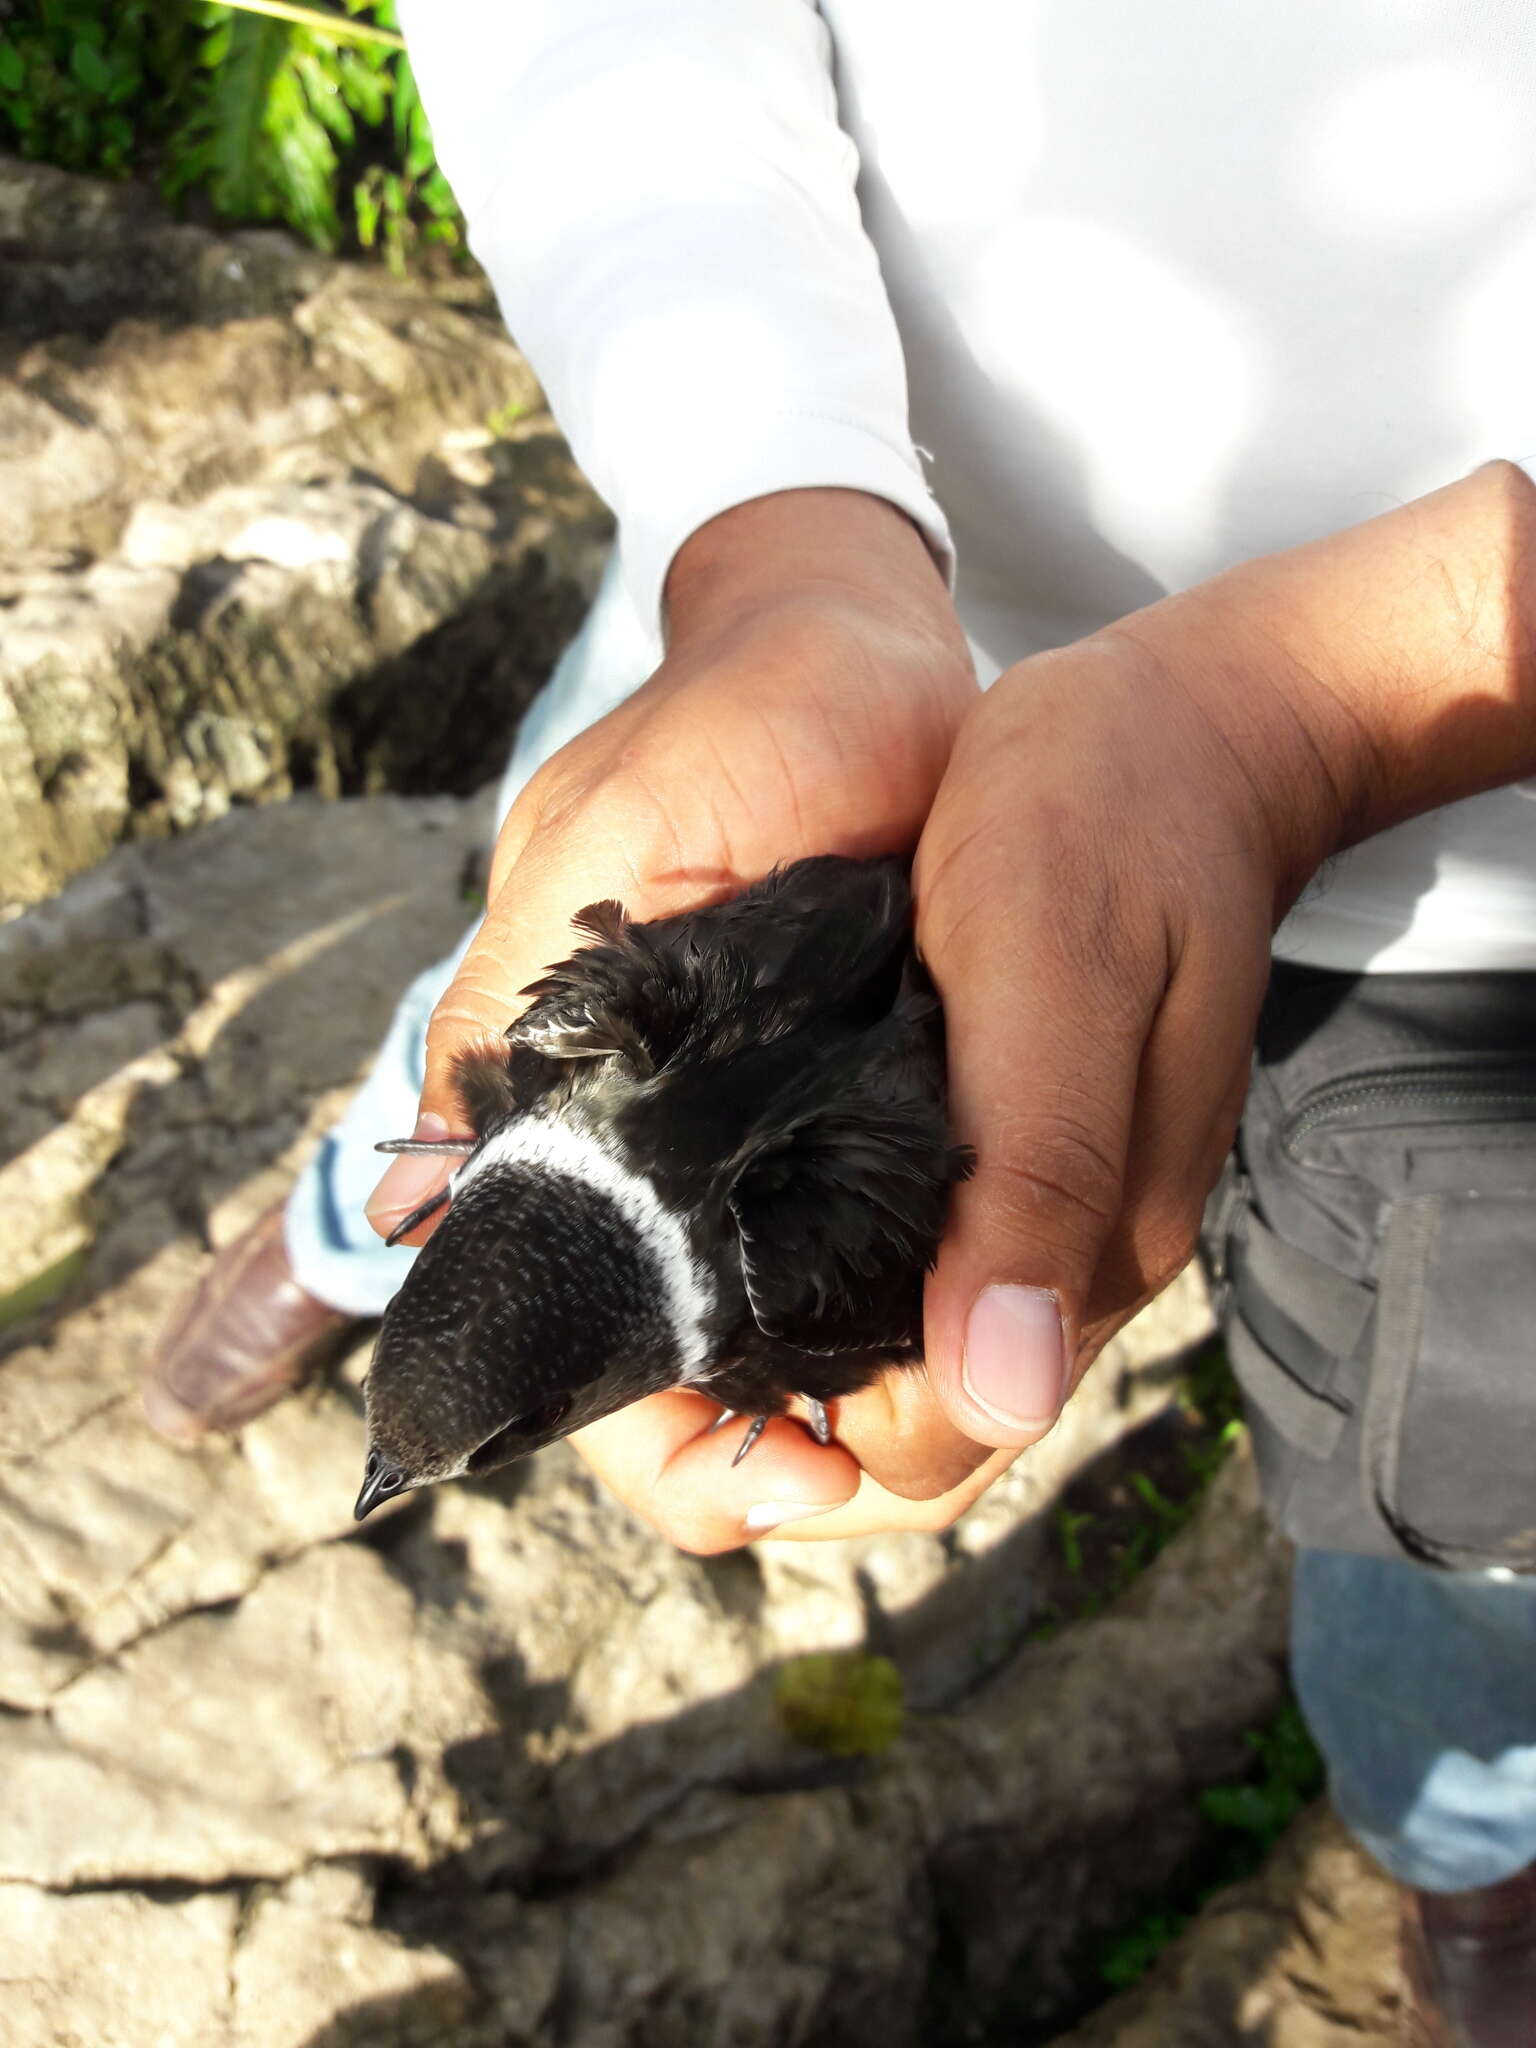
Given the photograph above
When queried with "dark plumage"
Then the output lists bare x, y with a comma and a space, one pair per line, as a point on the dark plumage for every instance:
712, 1152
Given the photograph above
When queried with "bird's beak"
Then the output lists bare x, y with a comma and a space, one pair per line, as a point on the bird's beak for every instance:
382, 1480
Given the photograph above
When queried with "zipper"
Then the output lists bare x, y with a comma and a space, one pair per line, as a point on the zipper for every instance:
1497, 1090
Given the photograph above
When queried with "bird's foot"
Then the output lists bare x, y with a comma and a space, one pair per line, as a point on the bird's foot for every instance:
816, 1415
726, 1415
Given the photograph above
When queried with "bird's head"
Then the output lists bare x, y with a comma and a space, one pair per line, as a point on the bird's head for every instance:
557, 1289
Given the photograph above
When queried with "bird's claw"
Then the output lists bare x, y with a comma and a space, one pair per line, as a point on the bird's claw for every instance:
447, 1148
816, 1415
758, 1424
428, 1208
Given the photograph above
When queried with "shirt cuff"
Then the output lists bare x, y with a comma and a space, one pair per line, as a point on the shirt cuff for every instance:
791, 451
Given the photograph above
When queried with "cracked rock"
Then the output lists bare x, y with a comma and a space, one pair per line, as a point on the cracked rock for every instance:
302, 526
155, 1764
302, 1977
114, 1969
1301, 1956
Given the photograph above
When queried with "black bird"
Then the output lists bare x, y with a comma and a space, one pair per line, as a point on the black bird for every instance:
711, 1153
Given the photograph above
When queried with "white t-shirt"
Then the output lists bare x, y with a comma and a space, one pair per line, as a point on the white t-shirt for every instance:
1153, 289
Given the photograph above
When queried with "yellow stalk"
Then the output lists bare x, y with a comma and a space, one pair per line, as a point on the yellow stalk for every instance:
324, 24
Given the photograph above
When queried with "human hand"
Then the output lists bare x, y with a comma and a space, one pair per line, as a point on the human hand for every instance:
814, 680
1122, 825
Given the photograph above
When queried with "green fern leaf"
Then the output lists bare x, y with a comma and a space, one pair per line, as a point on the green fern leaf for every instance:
237, 114
325, 98
300, 163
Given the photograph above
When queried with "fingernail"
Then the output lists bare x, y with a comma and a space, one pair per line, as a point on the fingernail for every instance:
409, 1178
1015, 1356
772, 1514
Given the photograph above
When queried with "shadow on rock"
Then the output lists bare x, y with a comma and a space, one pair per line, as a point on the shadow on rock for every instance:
185, 1015
702, 1878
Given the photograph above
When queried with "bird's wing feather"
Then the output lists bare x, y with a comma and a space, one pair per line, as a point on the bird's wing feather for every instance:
825, 935
817, 932
840, 1210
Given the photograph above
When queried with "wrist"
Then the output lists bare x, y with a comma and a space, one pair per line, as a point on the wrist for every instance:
1362, 679
843, 549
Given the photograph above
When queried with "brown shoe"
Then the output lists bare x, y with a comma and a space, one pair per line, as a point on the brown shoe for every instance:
247, 1335
1469, 1959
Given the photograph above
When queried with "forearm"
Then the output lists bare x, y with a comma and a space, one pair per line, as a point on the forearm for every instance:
708, 319
1372, 675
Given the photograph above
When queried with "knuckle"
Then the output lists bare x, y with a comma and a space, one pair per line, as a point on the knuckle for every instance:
467, 1012
1057, 1179
1173, 1241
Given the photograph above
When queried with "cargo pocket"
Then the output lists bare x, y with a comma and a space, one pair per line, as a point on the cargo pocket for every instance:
1298, 1337
1448, 1444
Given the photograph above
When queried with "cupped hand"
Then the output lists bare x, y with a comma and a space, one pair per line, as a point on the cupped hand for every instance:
1122, 826
814, 680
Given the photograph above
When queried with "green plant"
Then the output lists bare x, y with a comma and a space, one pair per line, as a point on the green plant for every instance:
287, 107
1126, 1958
504, 418
42, 1288
1070, 1524
88, 86
1287, 1775
317, 126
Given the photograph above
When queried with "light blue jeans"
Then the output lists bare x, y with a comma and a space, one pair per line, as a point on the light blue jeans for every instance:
1420, 1687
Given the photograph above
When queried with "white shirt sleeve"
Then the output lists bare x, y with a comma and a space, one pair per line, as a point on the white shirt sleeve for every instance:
664, 201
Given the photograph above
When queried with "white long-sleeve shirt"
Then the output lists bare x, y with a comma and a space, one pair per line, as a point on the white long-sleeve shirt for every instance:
1152, 289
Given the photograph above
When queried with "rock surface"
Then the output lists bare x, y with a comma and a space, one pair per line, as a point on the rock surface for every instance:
1302, 1956
504, 1767
268, 522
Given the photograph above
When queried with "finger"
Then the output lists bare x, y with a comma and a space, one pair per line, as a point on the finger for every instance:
1047, 1009
667, 1462
875, 1511
1191, 1086
903, 1438
526, 929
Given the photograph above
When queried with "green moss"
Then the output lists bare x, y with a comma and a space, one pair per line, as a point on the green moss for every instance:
841, 1701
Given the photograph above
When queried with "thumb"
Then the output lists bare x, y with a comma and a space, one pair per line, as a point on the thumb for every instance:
1043, 1061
